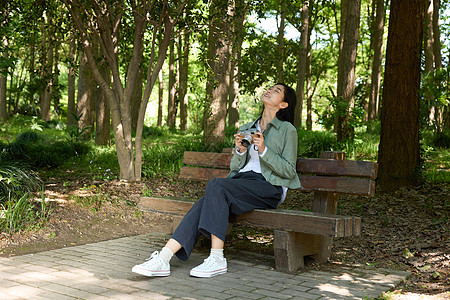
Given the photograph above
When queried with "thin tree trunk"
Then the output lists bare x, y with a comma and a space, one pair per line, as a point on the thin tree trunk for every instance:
301, 66
309, 91
83, 95
399, 154
377, 44
437, 35
46, 100
136, 99
171, 110
160, 98
183, 70
56, 95
346, 68
71, 107
3, 79
280, 40
238, 14
102, 112
32, 65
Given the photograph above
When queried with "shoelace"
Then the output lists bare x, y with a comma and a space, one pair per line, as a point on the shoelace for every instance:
208, 262
152, 259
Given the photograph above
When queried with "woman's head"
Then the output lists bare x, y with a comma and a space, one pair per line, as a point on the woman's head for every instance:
286, 98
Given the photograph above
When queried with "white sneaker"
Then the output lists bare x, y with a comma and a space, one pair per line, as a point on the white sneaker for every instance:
210, 267
153, 266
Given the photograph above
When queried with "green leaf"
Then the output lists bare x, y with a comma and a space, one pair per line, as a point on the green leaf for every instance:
424, 268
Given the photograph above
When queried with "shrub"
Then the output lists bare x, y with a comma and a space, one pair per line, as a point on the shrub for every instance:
16, 180
312, 143
39, 152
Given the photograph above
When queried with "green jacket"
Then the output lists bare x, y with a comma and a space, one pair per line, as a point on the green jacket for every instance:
278, 165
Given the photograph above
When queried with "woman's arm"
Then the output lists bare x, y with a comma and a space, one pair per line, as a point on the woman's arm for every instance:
281, 155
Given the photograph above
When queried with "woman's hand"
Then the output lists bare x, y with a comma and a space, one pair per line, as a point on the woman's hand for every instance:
258, 140
237, 141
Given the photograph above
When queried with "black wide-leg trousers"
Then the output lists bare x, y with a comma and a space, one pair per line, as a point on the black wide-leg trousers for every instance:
224, 196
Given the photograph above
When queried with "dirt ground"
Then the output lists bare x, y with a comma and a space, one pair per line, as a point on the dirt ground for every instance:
406, 230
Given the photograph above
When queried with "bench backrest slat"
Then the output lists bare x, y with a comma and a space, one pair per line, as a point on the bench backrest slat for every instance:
337, 167
207, 159
193, 173
324, 175
343, 185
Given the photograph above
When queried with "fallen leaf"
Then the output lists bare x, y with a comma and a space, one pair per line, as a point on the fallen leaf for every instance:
424, 268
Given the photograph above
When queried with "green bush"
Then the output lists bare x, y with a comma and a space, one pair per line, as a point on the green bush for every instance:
38, 151
442, 139
152, 131
166, 159
312, 143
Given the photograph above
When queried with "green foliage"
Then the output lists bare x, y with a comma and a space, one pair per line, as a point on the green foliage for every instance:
74, 131
40, 151
312, 143
16, 180
442, 139
165, 159
22, 213
338, 107
103, 163
436, 94
151, 131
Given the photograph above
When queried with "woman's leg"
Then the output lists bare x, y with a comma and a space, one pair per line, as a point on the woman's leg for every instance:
216, 243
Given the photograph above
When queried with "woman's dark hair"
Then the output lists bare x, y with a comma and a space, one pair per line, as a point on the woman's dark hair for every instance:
288, 113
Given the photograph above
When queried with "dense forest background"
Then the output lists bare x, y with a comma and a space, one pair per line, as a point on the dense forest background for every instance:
112, 70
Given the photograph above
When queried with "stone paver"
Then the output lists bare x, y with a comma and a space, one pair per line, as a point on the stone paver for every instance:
103, 271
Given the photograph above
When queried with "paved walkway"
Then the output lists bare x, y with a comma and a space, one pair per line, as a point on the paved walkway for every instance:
103, 271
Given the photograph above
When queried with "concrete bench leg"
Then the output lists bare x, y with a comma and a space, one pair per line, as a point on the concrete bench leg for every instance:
290, 249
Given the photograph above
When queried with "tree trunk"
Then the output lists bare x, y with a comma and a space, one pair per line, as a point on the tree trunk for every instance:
301, 65
171, 107
309, 91
103, 115
3, 77
160, 98
429, 38
183, 70
219, 45
399, 154
280, 40
46, 95
71, 108
84, 98
437, 35
56, 94
377, 46
350, 18
136, 98
238, 14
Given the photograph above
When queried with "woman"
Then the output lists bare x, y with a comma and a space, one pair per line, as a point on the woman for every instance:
260, 175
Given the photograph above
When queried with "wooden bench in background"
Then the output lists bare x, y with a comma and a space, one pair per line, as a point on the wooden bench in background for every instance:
296, 233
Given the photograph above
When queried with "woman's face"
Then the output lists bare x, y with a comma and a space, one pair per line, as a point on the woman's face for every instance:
274, 96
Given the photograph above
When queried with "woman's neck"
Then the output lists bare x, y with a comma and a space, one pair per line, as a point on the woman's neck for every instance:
267, 116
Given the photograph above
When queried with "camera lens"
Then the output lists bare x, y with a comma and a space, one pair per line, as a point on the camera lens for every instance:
246, 141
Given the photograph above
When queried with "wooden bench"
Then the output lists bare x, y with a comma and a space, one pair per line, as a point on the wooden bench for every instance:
296, 233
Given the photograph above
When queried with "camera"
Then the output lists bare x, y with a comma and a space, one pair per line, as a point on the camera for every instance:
247, 138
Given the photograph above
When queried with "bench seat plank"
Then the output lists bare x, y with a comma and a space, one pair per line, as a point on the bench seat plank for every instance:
278, 219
